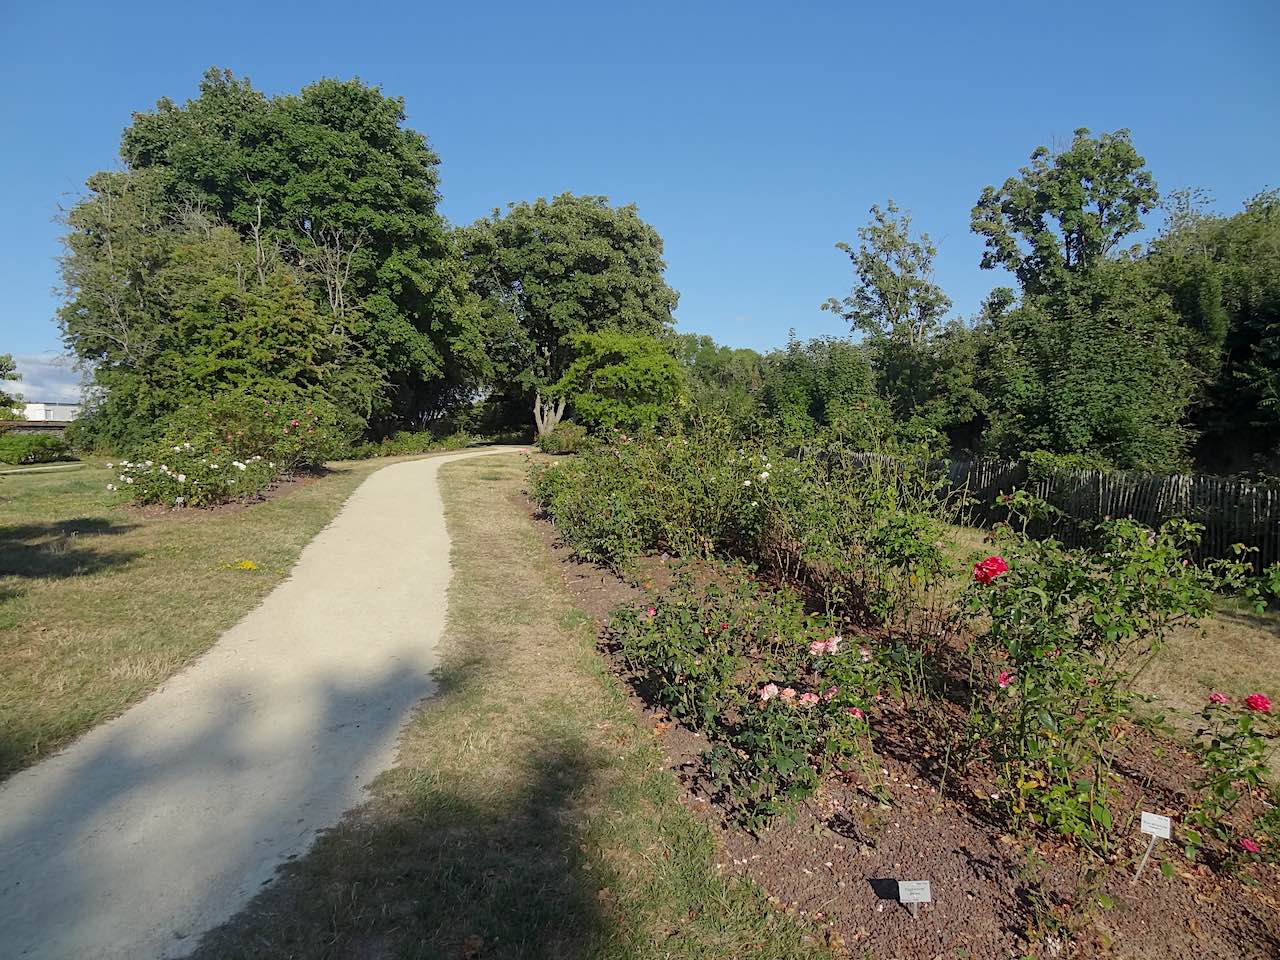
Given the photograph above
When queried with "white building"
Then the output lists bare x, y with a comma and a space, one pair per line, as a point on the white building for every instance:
52, 412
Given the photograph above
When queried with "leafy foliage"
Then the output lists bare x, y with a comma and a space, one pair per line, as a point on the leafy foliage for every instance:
620, 380
552, 269
8, 401
32, 448
564, 437
1222, 275
1098, 369
1065, 211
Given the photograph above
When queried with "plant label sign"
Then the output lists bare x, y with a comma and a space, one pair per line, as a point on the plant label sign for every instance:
914, 891
1156, 825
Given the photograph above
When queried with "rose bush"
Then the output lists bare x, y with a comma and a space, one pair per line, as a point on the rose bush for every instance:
1057, 636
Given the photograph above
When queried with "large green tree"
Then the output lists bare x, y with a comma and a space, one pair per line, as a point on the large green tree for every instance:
826, 382
8, 372
895, 304
1223, 276
1064, 212
726, 378
1093, 359
331, 185
171, 312
1097, 370
554, 268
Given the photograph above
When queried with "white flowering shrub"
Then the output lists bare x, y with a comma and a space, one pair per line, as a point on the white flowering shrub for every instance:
190, 475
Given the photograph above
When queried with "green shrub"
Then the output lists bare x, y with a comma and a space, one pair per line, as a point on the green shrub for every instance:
773, 687
1059, 635
565, 437
32, 448
192, 475
232, 448
405, 444
867, 533
293, 431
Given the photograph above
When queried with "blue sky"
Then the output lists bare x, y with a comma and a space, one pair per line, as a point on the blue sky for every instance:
753, 136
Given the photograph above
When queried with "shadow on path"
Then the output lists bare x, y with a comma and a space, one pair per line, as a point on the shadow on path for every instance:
444, 874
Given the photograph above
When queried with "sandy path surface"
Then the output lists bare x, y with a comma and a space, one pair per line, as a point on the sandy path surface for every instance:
162, 823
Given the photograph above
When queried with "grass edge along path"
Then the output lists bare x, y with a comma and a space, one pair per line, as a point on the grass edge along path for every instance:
101, 602
529, 815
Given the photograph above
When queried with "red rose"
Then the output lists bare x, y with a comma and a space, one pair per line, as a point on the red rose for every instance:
1258, 702
987, 570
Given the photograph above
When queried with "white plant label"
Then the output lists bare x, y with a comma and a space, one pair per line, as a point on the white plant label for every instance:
1156, 825
914, 891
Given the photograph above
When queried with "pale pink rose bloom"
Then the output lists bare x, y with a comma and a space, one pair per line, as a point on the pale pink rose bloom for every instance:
856, 713
788, 694
829, 694
768, 692
817, 647
808, 699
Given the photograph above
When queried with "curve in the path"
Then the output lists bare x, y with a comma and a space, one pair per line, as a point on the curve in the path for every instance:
162, 823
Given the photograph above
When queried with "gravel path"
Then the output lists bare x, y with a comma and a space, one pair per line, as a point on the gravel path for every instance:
162, 823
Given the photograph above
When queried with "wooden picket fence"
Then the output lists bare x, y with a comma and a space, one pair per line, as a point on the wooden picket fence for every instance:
1231, 511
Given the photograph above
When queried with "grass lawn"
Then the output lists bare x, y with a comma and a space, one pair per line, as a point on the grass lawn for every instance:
529, 815
100, 601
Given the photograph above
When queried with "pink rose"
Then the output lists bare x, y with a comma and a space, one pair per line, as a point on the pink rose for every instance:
1248, 844
787, 694
832, 644
1006, 677
829, 694
808, 699
1258, 702
768, 692
855, 713
651, 612
1219, 698
984, 571
817, 647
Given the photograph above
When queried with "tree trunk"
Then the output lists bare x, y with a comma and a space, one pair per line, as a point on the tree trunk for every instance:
547, 413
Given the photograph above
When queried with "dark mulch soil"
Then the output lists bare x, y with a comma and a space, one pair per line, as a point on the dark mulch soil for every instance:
994, 894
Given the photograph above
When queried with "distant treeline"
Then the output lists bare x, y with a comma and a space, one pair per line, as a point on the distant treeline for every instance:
291, 248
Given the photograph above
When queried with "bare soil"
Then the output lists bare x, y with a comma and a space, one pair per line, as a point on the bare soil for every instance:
995, 894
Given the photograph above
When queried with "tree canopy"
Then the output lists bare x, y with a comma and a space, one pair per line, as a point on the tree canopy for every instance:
551, 269
8, 372
291, 246
325, 187
1066, 211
